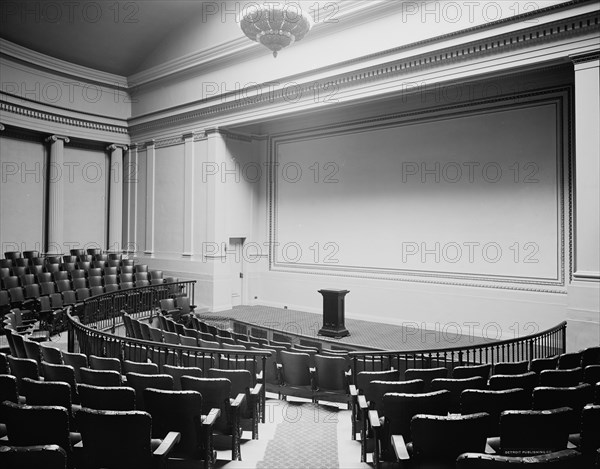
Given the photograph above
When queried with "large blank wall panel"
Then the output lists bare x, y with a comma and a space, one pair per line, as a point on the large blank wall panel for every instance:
168, 216
85, 198
472, 196
21, 194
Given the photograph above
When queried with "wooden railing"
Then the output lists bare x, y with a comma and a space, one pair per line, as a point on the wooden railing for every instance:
542, 344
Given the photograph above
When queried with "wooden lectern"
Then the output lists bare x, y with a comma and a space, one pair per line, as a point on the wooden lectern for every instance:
333, 314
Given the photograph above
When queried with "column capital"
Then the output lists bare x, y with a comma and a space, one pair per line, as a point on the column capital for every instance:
55, 138
212, 131
193, 134
133, 146
149, 143
116, 146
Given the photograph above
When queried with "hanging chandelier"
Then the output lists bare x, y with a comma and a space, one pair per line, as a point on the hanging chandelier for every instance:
275, 25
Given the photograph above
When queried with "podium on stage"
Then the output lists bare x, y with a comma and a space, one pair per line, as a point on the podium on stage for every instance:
333, 314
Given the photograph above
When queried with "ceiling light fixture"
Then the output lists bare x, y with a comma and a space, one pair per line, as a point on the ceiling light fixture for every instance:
275, 25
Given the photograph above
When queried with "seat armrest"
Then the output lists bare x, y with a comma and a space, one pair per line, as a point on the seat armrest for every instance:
374, 419
488, 448
353, 390
167, 444
212, 417
400, 448
255, 391
237, 402
79, 444
259, 376
362, 402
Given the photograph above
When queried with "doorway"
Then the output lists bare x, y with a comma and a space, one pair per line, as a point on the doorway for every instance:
235, 259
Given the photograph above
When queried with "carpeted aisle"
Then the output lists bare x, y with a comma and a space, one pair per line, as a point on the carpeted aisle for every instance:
306, 438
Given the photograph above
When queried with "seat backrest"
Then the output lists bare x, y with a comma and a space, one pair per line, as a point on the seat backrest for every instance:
178, 371
77, 361
426, 374
139, 382
456, 387
364, 378
171, 338
444, 438
46, 393
564, 377
494, 403
241, 380
590, 429
106, 398
525, 381
33, 350
104, 363
115, 439
46, 456
145, 368
379, 388
62, 373
331, 373
575, 397
530, 432
215, 395
34, 425
400, 408
511, 368
471, 371
19, 344
591, 374
179, 411
547, 363
8, 388
569, 360
295, 368
23, 368
590, 356
100, 377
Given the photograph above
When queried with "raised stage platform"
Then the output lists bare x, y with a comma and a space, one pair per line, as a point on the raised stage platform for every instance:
264, 321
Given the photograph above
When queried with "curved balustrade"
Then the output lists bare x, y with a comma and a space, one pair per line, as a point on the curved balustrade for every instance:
105, 312
542, 344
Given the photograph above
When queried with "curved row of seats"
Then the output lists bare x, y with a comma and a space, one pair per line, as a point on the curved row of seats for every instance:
75, 381
425, 415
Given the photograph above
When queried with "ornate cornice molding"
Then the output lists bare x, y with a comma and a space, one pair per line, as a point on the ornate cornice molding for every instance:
266, 94
62, 67
57, 118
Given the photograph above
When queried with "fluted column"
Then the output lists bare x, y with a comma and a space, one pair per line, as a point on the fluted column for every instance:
188, 199
150, 191
130, 179
54, 243
115, 198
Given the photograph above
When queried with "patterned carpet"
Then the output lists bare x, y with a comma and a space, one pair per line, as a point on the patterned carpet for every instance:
363, 334
307, 438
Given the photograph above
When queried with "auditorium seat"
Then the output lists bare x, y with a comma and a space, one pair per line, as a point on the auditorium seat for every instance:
139, 382
494, 403
77, 273
398, 411
178, 371
34, 425
77, 361
79, 282
121, 439
531, 432
591, 374
526, 381
215, 395
28, 279
63, 373
181, 411
438, 440
51, 354
576, 397
296, 375
590, 356
51, 393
